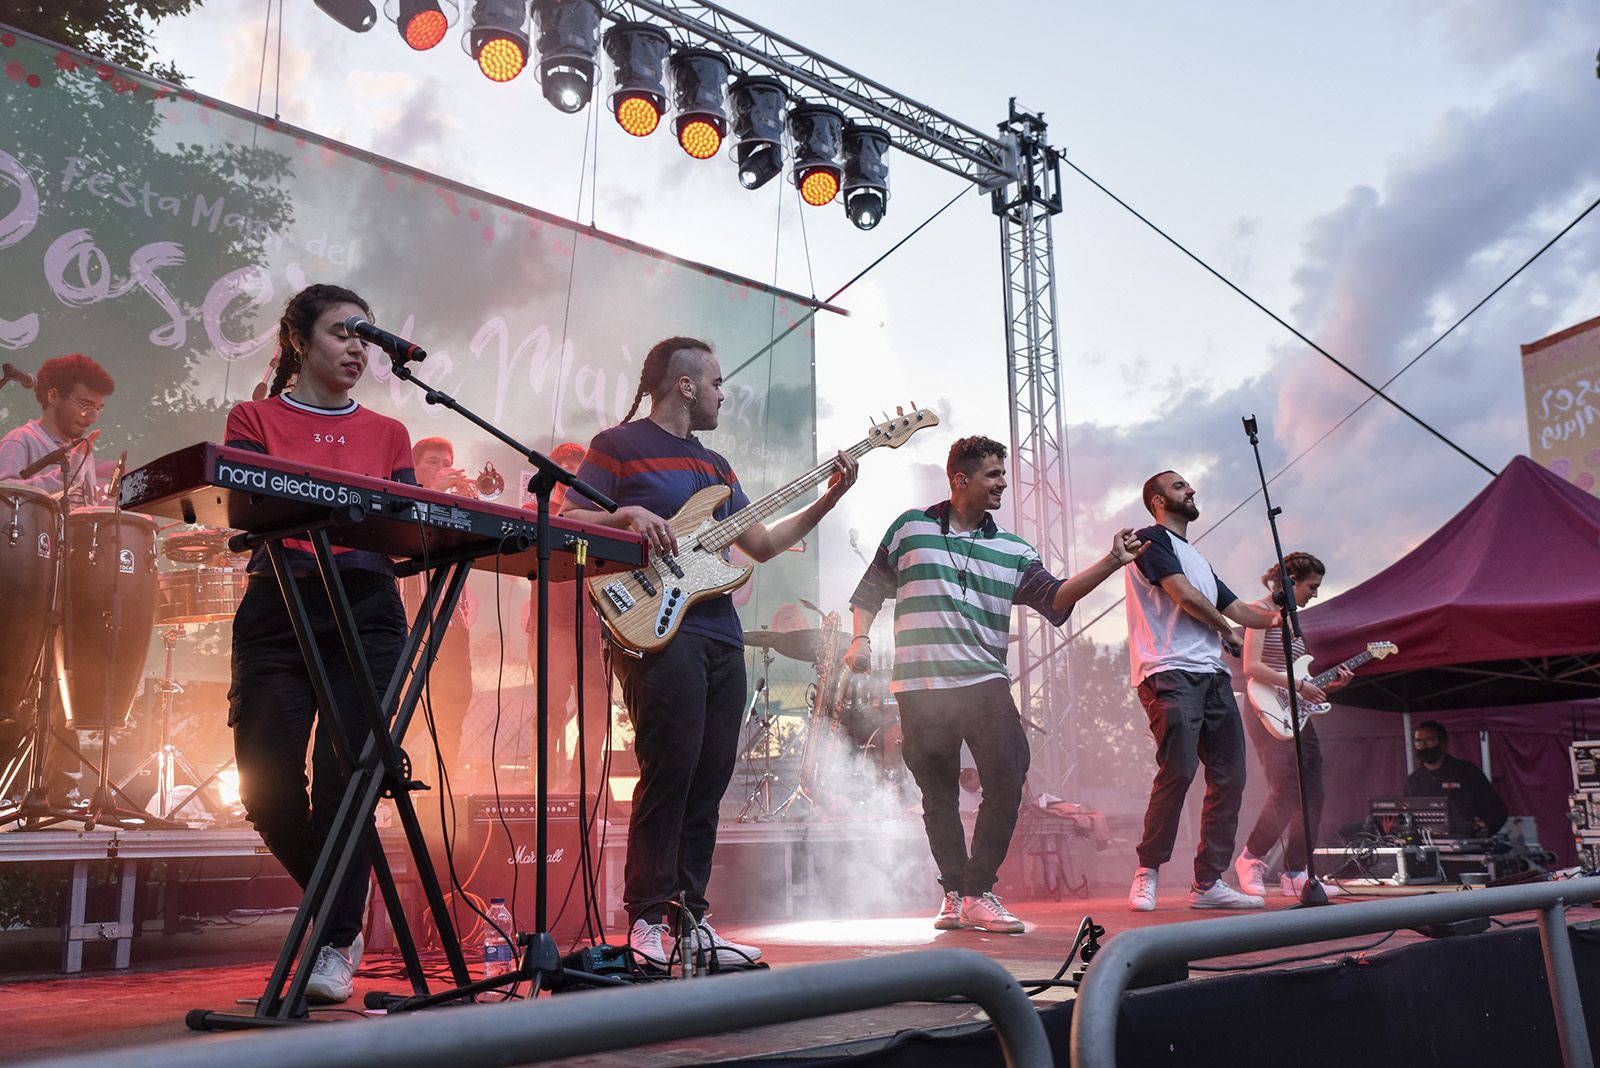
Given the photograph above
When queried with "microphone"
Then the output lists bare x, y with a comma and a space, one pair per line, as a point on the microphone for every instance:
114, 492
55, 457
12, 374
393, 344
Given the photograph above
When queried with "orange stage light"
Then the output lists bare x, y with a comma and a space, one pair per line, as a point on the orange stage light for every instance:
819, 186
426, 29
638, 115
700, 139
501, 59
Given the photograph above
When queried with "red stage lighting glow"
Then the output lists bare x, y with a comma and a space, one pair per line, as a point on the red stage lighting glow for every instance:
819, 186
638, 115
425, 29
501, 59
700, 139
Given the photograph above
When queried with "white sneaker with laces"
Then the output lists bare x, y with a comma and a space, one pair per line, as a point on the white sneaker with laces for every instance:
728, 953
987, 913
333, 975
1252, 873
1222, 896
949, 918
1142, 895
651, 943
1293, 884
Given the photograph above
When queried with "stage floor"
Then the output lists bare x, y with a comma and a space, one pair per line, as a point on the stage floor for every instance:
101, 1009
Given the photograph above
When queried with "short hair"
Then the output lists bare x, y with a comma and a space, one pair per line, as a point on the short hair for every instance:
1152, 490
967, 453
1444, 735
66, 373
1301, 566
427, 445
568, 450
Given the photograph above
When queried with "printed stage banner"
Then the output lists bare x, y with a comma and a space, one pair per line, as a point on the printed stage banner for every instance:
1561, 379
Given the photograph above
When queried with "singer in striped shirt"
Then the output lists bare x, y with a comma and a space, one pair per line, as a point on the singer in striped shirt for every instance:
954, 575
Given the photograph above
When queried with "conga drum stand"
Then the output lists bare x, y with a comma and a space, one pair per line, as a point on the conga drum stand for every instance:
167, 757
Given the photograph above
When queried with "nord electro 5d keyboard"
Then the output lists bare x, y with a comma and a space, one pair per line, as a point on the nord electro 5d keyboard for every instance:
216, 486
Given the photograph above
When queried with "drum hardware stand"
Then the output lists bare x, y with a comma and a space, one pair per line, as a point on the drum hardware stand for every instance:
34, 810
167, 757
758, 807
1289, 629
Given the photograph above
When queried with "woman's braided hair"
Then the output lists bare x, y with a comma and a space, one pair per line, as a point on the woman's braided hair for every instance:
1300, 566
299, 316
653, 375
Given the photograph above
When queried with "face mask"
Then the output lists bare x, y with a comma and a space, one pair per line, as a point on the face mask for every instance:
1431, 754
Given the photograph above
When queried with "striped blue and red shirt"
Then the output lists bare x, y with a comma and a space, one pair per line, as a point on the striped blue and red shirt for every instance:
640, 463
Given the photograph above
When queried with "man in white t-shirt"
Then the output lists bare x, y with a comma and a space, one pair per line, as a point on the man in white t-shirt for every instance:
1179, 616
72, 392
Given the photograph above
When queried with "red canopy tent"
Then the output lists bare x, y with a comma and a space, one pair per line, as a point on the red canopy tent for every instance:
1497, 619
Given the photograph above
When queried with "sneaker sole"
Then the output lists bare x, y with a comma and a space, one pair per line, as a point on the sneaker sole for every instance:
1219, 905
947, 925
1020, 928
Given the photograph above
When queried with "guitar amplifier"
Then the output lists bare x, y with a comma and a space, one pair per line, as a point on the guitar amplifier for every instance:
495, 857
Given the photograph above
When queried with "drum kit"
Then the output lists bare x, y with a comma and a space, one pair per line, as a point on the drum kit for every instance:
85, 595
850, 713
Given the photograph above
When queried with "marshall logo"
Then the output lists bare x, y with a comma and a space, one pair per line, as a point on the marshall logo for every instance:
524, 855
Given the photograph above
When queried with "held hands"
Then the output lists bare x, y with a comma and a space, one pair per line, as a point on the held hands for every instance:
843, 477
658, 536
1126, 546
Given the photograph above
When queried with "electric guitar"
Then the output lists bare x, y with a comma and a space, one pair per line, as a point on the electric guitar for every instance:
1272, 702
643, 608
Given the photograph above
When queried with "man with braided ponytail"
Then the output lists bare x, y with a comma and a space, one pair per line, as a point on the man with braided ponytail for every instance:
685, 700
271, 705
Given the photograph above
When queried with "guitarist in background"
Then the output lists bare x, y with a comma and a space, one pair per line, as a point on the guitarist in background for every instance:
1280, 816
686, 701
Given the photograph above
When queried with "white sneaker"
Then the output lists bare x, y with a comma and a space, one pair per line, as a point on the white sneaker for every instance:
651, 943
1293, 884
1252, 873
986, 913
949, 918
704, 937
1223, 896
333, 976
1142, 897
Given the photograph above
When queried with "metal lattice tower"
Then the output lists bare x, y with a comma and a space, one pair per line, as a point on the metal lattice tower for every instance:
1038, 437
1022, 174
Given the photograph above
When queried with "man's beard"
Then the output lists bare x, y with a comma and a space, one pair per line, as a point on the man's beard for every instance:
1189, 510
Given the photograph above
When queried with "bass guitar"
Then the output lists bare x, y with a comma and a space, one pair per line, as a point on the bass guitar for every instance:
1272, 702
642, 608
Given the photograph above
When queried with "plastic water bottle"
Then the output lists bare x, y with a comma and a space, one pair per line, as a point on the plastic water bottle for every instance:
497, 959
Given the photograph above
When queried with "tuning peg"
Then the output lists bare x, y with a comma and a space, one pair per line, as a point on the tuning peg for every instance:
900, 411
886, 418
913, 405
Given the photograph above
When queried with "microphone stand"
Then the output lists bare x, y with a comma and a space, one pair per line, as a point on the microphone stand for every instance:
542, 958
1289, 629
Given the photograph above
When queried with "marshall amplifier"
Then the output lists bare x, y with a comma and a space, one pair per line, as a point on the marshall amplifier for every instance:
494, 857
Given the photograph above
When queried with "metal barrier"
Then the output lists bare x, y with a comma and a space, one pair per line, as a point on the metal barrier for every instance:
1094, 1018
524, 1032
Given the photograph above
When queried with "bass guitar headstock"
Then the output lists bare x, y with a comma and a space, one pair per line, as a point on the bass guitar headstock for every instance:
894, 431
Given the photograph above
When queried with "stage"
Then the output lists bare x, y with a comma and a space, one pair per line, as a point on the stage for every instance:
104, 1010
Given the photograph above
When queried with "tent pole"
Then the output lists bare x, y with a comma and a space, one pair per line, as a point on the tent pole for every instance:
1483, 754
1411, 757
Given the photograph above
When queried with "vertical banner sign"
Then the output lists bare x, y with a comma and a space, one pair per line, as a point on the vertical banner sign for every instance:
1561, 378
161, 232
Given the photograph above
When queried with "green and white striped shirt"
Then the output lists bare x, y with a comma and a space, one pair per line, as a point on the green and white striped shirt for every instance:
953, 594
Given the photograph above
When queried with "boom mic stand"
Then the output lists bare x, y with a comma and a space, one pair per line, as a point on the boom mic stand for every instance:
1288, 630
541, 960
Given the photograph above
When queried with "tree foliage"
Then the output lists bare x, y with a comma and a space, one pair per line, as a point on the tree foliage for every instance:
117, 30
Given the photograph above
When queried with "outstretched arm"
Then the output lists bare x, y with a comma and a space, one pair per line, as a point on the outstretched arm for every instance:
1125, 548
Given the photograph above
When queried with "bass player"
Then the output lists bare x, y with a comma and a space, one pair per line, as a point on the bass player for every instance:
1280, 816
686, 700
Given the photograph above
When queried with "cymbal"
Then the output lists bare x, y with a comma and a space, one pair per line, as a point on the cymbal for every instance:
794, 644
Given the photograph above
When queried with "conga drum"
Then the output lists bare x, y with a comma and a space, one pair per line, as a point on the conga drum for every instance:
111, 588
27, 576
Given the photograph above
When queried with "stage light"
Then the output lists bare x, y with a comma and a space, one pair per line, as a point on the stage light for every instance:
638, 54
357, 16
566, 38
816, 130
757, 105
698, 79
498, 38
866, 175
421, 23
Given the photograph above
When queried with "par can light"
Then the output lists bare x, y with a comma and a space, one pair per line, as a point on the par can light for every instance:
421, 24
638, 54
699, 77
817, 131
498, 38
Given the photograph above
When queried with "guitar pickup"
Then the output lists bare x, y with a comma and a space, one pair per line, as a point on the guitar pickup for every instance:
644, 583
672, 565
618, 595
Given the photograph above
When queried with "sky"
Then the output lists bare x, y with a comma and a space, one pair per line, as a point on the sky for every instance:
1369, 171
